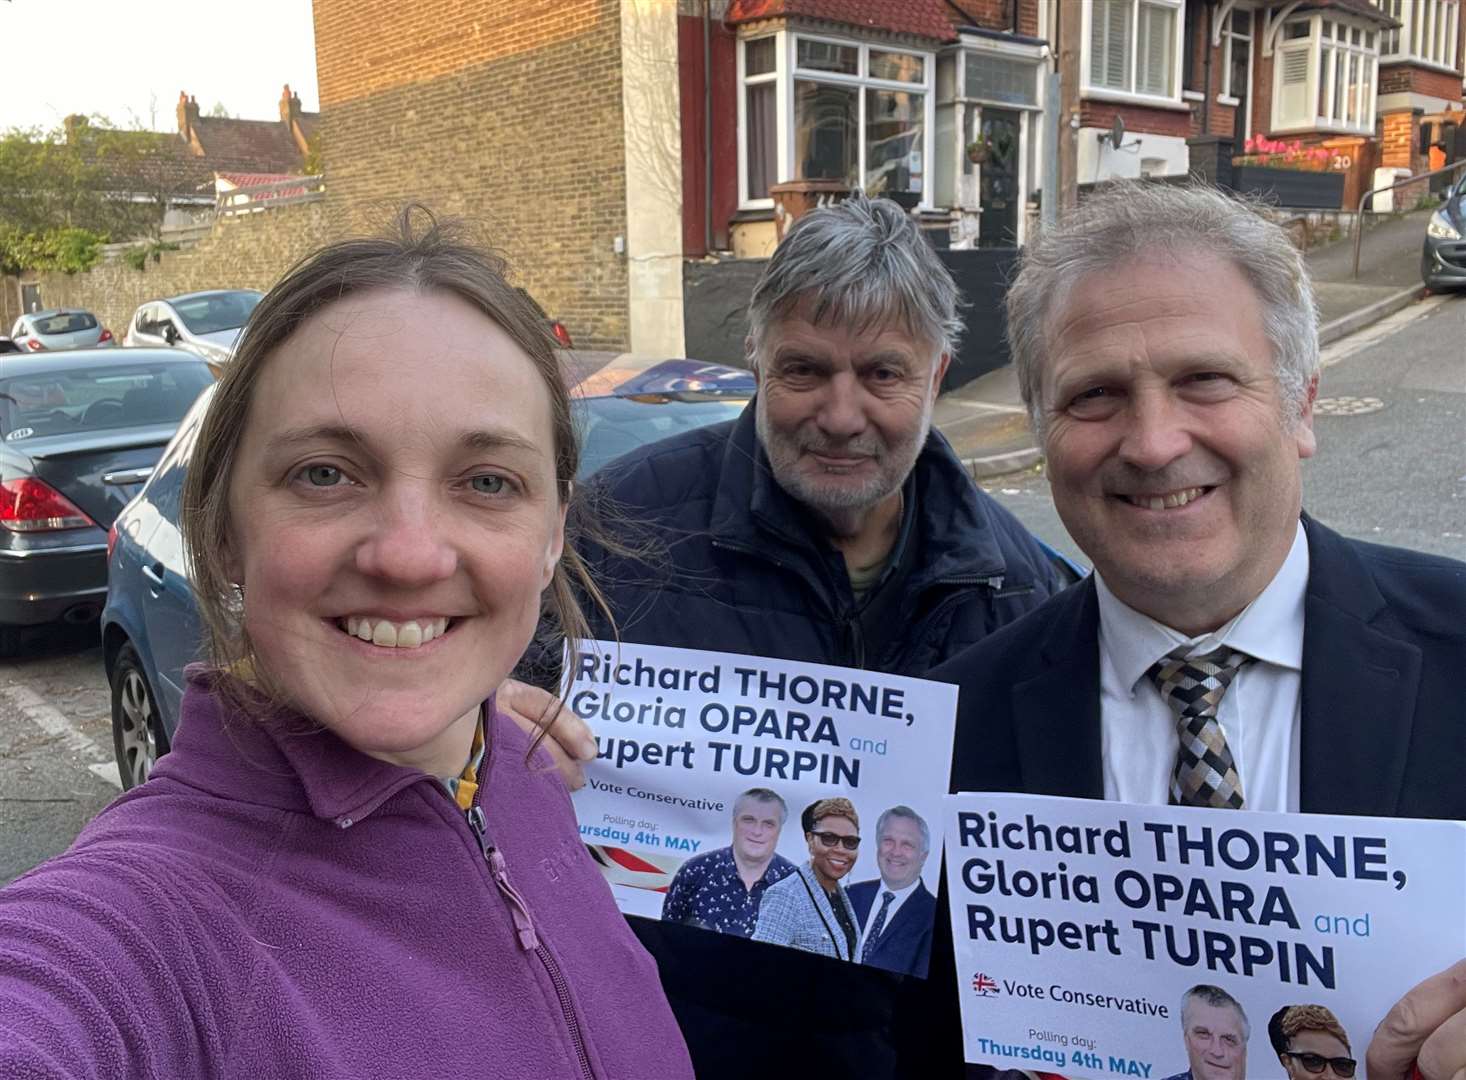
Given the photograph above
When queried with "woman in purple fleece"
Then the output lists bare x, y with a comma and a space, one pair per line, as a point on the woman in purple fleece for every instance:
352, 865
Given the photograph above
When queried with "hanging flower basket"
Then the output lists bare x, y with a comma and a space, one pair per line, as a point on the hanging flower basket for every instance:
979, 150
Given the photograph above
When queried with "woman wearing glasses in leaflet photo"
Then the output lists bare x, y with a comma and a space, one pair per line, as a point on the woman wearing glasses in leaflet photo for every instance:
1311, 1044
809, 909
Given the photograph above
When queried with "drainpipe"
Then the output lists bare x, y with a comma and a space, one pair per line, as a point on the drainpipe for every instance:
1015, 16
1206, 75
707, 129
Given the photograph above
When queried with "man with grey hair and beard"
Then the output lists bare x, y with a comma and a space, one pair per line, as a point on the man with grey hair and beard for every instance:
829, 523
1229, 651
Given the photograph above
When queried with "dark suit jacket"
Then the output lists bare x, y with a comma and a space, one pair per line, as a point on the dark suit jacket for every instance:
1383, 699
905, 944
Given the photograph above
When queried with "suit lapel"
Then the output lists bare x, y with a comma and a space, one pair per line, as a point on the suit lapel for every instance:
1359, 687
1056, 711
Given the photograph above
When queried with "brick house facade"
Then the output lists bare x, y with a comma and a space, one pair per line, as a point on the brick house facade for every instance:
600, 143
1375, 82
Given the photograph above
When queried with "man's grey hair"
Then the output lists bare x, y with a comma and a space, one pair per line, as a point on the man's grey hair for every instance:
862, 262
762, 794
911, 815
1217, 998
1126, 220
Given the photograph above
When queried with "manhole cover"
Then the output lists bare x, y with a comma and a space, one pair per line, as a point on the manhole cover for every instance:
1347, 406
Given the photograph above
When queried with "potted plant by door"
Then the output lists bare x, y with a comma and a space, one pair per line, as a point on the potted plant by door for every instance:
979, 150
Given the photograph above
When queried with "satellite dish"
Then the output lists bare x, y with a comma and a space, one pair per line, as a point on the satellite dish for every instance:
1117, 132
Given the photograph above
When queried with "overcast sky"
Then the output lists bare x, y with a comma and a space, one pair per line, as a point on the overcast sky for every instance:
128, 59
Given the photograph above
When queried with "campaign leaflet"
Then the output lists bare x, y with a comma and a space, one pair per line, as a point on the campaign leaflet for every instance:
686, 735
1102, 939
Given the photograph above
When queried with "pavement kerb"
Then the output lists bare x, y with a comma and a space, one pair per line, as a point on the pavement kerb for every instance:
1356, 320
985, 468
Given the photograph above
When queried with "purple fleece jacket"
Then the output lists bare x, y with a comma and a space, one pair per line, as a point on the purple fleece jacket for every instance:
280, 905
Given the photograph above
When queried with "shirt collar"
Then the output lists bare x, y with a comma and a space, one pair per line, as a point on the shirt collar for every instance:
901, 894
1269, 629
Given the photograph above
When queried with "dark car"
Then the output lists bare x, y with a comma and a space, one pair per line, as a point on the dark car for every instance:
80, 432
151, 626
1443, 258
7, 345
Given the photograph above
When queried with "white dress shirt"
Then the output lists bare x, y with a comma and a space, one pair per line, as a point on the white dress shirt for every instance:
875, 909
1259, 713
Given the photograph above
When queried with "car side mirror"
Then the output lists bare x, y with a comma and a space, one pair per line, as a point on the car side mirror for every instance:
170, 333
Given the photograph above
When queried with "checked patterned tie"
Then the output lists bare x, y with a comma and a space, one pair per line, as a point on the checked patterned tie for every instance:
877, 926
1205, 774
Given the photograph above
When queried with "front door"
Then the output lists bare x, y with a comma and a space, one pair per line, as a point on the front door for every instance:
999, 193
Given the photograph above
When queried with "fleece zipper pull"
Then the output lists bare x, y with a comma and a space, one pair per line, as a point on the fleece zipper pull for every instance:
498, 869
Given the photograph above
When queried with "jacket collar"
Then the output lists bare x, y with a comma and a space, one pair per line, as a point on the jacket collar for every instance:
1360, 681
952, 527
278, 759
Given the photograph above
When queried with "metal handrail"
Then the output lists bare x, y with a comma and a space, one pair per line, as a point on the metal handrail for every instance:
1359, 210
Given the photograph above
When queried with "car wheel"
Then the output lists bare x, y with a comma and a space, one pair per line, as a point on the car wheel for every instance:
137, 728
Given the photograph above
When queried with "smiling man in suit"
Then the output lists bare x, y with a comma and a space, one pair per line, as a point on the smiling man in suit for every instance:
1229, 650
897, 910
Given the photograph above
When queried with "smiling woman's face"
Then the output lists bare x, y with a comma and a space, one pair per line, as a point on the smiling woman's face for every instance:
831, 863
394, 519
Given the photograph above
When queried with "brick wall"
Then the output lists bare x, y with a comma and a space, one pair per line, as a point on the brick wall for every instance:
505, 112
1138, 119
251, 251
998, 14
1403, 78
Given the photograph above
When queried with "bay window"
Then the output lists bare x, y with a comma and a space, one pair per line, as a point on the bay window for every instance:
818, 108
1430, 31
1324, 76
1133, 47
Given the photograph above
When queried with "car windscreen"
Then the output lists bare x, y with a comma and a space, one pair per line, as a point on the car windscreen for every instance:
610, 426
216, 311
71, 400
65, 322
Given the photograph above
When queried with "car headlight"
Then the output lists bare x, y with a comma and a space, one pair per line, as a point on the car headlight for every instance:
1441, 228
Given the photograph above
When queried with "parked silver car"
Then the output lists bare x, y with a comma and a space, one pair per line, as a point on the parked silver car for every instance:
59, 328
205, 323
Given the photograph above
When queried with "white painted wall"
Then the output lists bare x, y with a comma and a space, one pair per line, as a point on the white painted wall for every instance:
653, 131
1100, 161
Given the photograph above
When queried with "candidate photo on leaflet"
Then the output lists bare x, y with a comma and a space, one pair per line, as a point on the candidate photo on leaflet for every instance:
1311, 1044
1215, 1031
810, 910
721, 889
896, 911
352, 863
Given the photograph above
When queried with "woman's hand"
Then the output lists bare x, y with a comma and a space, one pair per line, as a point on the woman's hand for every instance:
568, 739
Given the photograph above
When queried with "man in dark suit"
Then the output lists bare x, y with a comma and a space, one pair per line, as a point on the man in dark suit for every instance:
1229, 651
897, 911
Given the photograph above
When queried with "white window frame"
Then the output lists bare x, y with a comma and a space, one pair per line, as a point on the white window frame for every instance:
1228, 95
1100, 92
1327, 44
1430, 35
786, 72
781, 102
